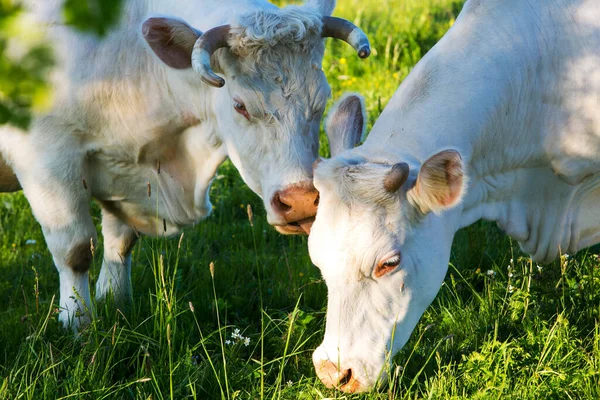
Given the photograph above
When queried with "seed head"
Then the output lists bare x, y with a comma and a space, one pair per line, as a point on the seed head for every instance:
250, 215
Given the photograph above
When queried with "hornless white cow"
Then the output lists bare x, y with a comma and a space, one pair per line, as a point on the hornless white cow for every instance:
499, 121
140, 122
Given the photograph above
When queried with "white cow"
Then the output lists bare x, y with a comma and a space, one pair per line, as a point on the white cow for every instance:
499, 121
140, 122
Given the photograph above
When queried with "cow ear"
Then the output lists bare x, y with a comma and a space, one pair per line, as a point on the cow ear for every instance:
345, 124
171, 40
440, 184
325, 7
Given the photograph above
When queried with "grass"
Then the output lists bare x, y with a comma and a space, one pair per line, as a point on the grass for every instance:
493, 331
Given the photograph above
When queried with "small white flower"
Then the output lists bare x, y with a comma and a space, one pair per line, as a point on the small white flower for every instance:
510, 288
490, 272
289, 383
539, 268
511, 260
510, 275
30, 241
246, 341
228, 342
508, 267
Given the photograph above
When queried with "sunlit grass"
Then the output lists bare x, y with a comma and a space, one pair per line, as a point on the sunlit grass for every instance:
492, 332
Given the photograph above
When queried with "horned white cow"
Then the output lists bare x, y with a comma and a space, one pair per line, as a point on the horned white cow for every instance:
140, 122
499, 121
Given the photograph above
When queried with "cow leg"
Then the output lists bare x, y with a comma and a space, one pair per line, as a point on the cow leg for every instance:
63, 212
51, 169
115, 275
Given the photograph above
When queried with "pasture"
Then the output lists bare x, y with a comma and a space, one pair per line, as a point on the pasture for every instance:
233, 310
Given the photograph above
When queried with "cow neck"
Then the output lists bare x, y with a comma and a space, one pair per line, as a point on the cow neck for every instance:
479, 107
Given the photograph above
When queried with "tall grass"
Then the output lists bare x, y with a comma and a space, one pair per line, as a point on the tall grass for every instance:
501, 327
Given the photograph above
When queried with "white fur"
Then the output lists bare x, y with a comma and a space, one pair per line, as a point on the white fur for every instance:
514, 88
118, 112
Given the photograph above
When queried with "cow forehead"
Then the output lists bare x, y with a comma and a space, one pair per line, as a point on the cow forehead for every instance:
281, 82
282, 47
356, 183
295, 28
354, 225
351, 239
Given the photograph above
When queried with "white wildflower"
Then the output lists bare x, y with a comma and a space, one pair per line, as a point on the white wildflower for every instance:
228, 342
511, 260
491, 273
510, 288
289, 383
246, 341
510, 275
539, 268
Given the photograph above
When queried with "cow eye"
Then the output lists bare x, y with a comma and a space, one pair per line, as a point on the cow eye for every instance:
388, 265
240, 107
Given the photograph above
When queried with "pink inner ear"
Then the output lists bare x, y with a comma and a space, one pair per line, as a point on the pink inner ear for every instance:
440, 182
171, 40
454, 179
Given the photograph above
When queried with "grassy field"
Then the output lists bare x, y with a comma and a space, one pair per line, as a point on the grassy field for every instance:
501, 327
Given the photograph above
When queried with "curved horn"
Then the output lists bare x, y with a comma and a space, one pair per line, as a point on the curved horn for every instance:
348, 32
396, 177
210, 41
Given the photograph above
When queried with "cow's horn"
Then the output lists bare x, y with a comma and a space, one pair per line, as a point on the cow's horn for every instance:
396, 177
348, 32
205, 46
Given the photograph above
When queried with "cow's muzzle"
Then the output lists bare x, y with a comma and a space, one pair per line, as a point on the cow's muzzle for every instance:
339, 378
296, 207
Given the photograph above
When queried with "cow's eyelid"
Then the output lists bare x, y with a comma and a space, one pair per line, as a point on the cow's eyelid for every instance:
395, 260
387, 265
240, 108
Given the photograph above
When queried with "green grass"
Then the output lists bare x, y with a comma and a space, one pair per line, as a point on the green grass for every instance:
533, 334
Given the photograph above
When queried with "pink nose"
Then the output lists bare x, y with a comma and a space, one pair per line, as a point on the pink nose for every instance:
340, 378
296, 205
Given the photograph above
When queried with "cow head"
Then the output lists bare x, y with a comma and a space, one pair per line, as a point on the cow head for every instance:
268, 97
382, 250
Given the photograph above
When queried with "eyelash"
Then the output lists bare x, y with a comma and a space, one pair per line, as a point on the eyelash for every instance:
388, 265
392, 261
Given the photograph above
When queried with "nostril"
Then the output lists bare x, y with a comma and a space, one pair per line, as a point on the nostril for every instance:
280, 205
317, 200
345, 377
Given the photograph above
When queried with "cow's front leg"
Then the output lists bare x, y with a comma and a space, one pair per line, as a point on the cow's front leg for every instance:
50, 167
115, 275
63, 212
